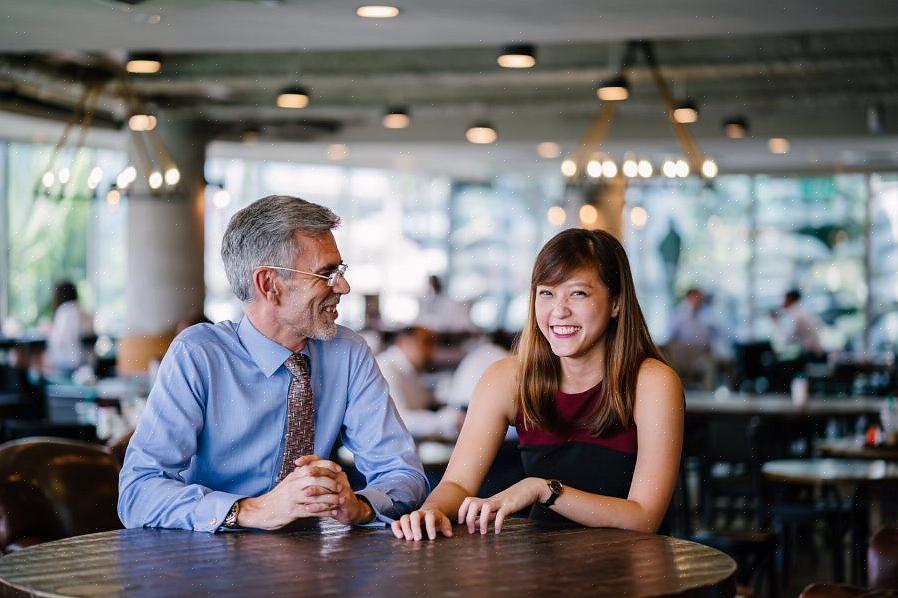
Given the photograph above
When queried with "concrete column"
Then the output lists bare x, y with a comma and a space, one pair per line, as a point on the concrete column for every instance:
164, 282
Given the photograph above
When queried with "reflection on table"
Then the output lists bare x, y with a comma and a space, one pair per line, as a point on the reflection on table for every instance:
330, 559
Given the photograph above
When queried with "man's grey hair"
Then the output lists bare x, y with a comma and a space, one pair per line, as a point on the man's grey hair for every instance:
262, 234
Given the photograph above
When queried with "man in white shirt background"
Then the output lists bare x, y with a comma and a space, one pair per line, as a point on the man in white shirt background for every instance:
402, 364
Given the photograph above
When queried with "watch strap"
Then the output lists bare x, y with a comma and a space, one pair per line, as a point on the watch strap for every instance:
556, 487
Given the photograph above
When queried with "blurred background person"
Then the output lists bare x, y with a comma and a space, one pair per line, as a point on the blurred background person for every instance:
401, 364
441, 313
484, 352
65, 350
689, 341
797, 330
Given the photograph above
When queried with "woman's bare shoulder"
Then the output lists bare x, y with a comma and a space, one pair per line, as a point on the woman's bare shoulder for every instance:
658, 381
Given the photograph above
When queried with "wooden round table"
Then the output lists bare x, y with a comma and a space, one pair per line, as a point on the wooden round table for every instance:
331, 559
855, 448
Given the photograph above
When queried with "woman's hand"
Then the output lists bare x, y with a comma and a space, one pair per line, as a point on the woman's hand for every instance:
409, 526
478, 512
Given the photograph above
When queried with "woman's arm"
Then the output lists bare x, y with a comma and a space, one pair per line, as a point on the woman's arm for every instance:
658, 413
489, 414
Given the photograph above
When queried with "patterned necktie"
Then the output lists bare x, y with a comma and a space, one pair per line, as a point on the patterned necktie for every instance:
299, 439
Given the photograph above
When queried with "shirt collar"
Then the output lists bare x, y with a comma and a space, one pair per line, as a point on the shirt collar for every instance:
267, 354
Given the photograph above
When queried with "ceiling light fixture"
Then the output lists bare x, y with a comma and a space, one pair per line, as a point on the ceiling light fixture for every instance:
613, 90
481, 133
293, 97
397, 118
686, 112
377, 11
735, 127
144, 63
778, 145
142, 122
517, 56
548, 150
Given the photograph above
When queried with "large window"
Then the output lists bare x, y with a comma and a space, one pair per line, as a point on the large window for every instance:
398, 228
58, 229
884, 262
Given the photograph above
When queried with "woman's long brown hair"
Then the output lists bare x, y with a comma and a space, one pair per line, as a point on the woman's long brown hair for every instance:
627, 339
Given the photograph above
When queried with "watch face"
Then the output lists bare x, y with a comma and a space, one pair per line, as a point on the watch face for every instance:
555, 486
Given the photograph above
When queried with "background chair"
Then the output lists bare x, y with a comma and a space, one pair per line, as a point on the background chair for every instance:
882, 572
53, 488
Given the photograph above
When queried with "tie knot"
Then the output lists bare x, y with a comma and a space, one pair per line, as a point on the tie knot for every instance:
296, 365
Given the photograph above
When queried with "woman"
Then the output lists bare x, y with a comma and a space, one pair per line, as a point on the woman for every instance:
65, 352
586, 387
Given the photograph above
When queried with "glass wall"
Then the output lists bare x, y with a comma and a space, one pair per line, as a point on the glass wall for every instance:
398, 228
57, 229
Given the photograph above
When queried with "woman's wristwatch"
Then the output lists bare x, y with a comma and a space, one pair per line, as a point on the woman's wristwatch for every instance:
557, 488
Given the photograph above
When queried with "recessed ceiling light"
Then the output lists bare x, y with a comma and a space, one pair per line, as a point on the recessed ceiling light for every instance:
397, 118
518, 56
144, 63
735, 127
548, 150
481, 133
293, 97
613, 90
377, 11
778, 145
686, 112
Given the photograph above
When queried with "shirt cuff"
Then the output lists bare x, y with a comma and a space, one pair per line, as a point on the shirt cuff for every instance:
382, 505
213, 509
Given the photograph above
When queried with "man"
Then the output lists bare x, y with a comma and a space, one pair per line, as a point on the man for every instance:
797, 327
242, 415
401, 365
689, 324
689, 341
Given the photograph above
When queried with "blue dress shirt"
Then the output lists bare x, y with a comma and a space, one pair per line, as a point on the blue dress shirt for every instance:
213, 429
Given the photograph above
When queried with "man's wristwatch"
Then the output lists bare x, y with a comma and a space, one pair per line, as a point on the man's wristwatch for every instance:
230, 519
557, 488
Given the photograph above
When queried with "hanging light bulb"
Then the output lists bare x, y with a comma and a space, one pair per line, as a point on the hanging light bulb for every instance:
113, 197
639, 217
130, 174
609, 169
588, 214
594, 168
645, 168
682, 169
630, 168
221, 198
517, 56
568, 168
94, 178
556, 215
64, 175
709, 168
778, 145
142, 122
172, 176
669, 169
155, 179
48, 179
481, 133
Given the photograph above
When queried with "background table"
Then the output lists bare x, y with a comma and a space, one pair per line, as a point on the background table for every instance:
330, 559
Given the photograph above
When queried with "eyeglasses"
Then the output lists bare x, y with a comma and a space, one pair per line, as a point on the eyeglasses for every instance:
331, 278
